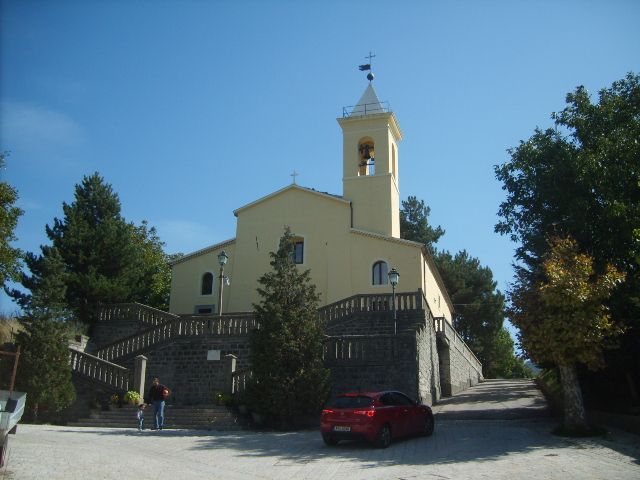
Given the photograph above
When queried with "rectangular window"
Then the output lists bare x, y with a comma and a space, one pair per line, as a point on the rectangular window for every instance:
298, 252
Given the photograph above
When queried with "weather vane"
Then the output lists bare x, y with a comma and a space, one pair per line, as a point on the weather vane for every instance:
367, 66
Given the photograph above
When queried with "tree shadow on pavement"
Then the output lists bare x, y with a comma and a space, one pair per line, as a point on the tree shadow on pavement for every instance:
453, 442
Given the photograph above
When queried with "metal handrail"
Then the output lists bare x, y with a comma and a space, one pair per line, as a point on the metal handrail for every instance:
365, 109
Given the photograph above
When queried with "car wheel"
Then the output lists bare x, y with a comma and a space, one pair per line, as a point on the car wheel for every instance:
384, 437
329, 439
429, 424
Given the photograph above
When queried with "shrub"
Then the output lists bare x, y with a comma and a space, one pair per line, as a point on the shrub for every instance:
132, 397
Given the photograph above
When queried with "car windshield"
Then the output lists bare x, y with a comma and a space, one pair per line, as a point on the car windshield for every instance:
351, 401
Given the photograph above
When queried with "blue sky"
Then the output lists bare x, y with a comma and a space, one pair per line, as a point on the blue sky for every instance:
192, 109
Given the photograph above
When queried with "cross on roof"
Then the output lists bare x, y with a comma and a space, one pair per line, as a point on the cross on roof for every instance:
294, 175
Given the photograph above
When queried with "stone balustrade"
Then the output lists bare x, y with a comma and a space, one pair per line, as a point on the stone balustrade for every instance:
239, 381
405, 301
227, 325
362, 349
134, 311
100, 370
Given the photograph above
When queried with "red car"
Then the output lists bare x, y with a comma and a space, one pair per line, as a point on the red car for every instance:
377, 417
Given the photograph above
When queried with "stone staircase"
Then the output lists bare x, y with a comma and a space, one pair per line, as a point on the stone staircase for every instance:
201, 417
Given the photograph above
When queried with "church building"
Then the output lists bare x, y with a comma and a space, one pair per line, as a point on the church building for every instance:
378, 335
349, 242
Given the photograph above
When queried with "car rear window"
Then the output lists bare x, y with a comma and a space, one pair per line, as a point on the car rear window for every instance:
351, 401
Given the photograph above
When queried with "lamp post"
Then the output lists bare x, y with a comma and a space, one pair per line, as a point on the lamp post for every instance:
394, 278
222, 260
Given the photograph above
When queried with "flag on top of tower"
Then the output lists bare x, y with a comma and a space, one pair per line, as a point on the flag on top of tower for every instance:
366, 66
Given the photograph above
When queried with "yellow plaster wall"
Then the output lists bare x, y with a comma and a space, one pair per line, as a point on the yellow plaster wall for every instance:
376, 203
340, 258
321, 220
186, 280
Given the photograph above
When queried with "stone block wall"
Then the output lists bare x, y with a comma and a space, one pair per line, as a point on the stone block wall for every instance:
106, 332
459, 368
385, 365
368, 356
182, 365
429, 389
362, 352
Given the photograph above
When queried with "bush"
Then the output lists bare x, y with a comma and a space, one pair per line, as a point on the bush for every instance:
132, 397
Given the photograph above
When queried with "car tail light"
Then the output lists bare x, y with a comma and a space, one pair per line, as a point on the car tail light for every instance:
327, 411
369, 412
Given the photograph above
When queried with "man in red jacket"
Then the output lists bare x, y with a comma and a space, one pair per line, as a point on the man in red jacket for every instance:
156, 396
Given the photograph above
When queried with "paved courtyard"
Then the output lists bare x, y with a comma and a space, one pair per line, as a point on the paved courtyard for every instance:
514, 442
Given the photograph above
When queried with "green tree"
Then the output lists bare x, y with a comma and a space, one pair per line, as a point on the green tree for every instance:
9, 214
289, 377
46, 284
414, 223
479, 306
503, 362
43, 370
563, 319
581, 179
155, 288
479, 311
95, 244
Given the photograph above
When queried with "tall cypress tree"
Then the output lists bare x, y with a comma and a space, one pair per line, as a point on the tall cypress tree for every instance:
289, 378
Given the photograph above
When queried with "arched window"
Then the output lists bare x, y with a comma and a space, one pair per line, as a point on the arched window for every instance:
366, 157
380, 273
207, 284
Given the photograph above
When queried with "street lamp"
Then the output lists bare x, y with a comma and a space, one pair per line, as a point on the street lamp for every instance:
222, 260
394, 278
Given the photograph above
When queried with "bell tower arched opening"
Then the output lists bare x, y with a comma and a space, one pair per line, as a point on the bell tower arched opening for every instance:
366, 157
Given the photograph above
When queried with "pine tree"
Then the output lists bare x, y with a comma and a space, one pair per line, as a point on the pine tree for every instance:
43, 371
289, 378
414, 223
95, 242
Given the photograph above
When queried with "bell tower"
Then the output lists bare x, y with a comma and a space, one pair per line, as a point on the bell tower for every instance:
371, 134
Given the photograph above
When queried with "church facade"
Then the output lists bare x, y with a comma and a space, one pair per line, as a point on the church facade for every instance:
349, 242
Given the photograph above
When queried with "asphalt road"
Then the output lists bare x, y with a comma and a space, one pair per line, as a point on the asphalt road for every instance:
497, 430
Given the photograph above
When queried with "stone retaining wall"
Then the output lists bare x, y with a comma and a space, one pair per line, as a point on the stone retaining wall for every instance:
182, 365
459, 368
362, 351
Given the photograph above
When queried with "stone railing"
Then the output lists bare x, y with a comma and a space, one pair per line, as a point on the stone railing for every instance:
239, 381
134, 311
372, 303
444, 328
361, 349
227, 325
97, 369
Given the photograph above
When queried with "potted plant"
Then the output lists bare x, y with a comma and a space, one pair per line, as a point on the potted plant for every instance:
132, 398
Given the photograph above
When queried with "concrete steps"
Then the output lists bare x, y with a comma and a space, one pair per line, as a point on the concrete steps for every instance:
210, 417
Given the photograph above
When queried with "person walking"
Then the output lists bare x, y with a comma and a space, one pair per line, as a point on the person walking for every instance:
140, 416
157, 395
